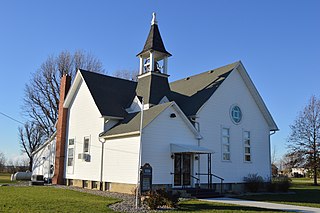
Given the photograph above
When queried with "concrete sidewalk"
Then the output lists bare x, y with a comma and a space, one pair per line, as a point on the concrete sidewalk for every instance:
264, 205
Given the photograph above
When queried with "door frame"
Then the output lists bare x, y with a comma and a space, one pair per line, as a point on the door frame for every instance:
181, 175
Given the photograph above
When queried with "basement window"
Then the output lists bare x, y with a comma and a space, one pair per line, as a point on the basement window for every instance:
70, 182
94, 184
85, 184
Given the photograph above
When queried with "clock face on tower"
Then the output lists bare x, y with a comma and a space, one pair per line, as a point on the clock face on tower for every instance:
235, 114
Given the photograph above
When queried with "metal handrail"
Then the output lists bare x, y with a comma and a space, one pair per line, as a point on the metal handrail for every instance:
211, 175
198, 179
221, 179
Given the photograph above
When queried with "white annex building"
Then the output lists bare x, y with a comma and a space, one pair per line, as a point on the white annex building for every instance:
197, 130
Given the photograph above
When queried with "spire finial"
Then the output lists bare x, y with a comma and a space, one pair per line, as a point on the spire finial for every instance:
154, 19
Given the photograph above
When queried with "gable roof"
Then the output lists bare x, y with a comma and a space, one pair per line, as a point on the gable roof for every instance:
132, 122
192, 92
257, 98
154, 41
111, 95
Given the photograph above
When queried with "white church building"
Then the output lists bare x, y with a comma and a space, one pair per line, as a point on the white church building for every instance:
194, 131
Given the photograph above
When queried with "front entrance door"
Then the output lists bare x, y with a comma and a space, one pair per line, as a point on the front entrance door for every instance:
182, 169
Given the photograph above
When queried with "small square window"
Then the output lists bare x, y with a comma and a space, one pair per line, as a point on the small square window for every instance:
85, 183
226, 156
94, 184
247, 158
71, 142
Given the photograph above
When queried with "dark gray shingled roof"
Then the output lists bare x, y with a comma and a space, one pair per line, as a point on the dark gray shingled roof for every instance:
132, 122
111, 95
192, 92
154, 41
153, 88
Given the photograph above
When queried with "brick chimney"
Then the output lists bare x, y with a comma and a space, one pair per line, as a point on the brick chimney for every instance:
61, 132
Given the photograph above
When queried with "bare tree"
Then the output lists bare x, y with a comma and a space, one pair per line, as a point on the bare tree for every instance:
131, 75
304, 140
273, 155
2, 161
31, 137
42, 93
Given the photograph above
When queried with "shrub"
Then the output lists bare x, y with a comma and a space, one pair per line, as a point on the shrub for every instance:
161, 197
282, 183
253, 182
154, 200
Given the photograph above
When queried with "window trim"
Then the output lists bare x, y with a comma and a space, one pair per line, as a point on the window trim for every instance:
83, 148
222, 144
231, 114
71, 146
246, 146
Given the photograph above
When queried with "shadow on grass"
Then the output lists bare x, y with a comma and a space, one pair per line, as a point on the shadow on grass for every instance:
198, 206
300, 196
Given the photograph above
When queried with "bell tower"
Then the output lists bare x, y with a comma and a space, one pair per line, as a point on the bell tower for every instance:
154, 56
153, 75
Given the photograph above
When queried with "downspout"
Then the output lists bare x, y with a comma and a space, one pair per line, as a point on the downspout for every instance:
197, 125
139, 162
101, 164
272, 133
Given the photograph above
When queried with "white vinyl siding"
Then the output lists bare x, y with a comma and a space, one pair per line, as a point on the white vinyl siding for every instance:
225, 138
215, 114
84, 119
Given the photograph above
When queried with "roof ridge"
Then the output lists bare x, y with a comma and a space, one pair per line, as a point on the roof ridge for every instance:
234, 63
105, 75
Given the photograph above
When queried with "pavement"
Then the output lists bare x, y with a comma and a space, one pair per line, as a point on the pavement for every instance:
265, 205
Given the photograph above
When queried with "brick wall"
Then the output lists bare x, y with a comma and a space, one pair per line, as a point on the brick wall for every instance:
61, 132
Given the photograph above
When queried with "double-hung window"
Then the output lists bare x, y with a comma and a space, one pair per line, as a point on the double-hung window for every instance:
247, 146
225, 134
70, 160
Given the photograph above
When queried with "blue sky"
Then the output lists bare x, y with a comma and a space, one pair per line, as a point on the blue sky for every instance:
277, 41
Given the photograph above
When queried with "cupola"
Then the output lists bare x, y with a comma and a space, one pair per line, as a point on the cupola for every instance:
153, 85
154, 56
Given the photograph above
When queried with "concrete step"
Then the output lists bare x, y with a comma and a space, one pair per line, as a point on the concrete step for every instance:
201, 193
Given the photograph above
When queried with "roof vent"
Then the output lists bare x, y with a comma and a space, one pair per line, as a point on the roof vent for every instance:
173, 115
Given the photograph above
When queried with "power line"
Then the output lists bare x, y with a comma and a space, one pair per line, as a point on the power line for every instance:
11, 118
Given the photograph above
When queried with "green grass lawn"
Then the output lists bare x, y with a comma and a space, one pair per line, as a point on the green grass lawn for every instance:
304, 194
49, 199
5, 178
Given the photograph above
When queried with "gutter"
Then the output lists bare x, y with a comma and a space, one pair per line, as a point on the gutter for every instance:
120, 135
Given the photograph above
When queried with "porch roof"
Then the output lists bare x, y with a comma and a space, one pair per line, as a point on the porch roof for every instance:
183, 148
